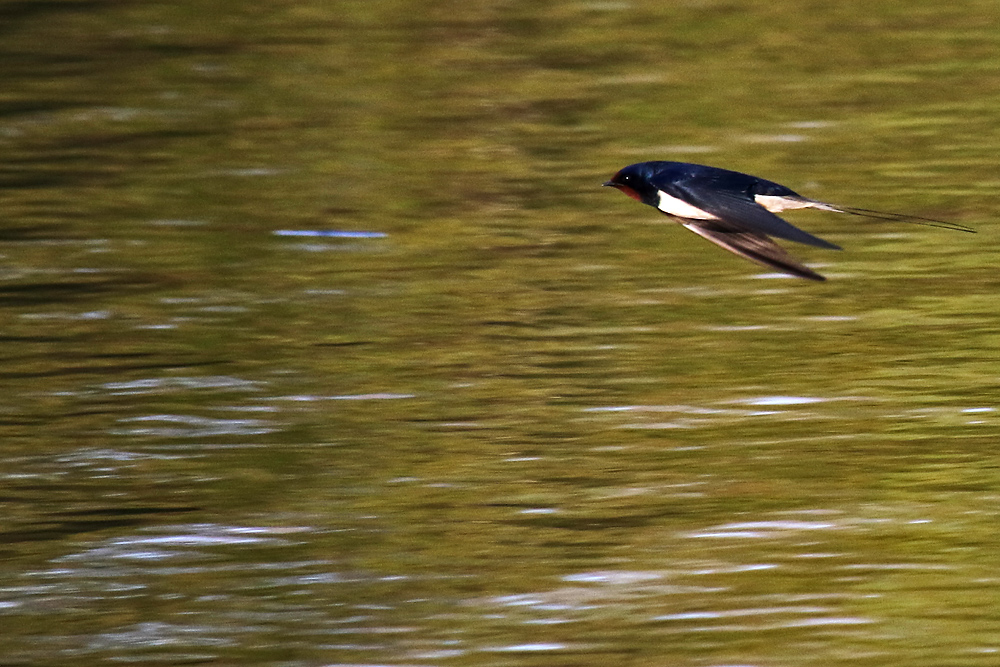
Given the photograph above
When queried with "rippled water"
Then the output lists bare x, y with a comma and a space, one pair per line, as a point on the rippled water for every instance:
323, 345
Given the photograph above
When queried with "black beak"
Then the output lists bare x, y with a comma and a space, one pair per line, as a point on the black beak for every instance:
610, 184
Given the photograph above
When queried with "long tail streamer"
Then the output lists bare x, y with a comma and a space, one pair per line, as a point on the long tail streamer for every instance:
902, 217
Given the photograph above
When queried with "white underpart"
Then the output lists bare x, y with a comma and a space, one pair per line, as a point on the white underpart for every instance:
681, 209
776, 203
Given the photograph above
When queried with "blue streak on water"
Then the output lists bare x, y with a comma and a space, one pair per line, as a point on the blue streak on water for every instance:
331, 233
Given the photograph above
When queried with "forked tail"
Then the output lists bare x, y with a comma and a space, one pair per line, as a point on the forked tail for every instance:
902, 217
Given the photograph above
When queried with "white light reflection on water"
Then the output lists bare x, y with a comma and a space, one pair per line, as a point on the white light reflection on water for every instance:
181, 383
159, 635
778, 625
760, 529
191, 426
643, 593
377, 396
618, 577
179, 541
737, 613
777, 406
521, 648
783, 400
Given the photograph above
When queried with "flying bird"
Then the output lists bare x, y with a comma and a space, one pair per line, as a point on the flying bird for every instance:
737, 211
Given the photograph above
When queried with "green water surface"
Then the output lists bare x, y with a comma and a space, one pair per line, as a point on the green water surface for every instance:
511, 419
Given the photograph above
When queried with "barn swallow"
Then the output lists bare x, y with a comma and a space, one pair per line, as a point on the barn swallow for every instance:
737, 211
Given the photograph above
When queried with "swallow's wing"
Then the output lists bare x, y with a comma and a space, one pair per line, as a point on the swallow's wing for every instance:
752, 245
733, 207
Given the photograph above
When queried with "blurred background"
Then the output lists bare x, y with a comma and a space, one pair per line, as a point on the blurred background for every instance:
322, 344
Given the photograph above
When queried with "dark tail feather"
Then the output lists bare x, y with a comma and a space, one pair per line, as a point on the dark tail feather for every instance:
902, 217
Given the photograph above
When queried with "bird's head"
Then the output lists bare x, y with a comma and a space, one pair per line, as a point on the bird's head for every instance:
634, 180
